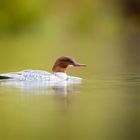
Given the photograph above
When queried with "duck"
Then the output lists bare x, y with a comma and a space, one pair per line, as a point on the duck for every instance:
58, 72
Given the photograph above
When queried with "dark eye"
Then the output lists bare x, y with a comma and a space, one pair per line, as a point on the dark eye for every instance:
70, 61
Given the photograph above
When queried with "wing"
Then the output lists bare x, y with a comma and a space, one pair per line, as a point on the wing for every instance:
27, 75
35, 75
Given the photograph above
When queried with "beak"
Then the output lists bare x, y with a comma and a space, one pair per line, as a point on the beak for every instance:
79, 65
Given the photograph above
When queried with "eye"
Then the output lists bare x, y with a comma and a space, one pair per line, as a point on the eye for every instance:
71, 61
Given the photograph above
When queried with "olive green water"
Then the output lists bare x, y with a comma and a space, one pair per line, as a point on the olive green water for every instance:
103, 107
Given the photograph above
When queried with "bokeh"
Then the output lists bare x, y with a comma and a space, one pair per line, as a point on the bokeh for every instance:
104, 34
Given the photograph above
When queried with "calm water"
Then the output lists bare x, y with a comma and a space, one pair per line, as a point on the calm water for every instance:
103, 107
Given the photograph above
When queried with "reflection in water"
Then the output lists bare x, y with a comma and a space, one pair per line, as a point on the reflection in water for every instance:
106, 106
42, 87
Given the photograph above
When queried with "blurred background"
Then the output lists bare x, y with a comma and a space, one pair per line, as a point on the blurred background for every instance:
105, 35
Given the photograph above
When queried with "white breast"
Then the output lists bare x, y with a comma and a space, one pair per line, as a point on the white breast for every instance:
61, 75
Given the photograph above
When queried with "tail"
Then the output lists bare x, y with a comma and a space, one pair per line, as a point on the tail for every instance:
4, 77
11, 76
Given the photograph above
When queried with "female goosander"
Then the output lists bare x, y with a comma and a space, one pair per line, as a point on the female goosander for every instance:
59, 72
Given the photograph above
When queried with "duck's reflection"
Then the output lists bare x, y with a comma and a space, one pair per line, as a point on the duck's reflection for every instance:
42, 87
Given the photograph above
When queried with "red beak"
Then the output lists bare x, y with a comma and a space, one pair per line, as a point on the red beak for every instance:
79, 65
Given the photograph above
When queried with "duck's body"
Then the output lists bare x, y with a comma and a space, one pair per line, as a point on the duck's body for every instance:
59, 72
28, 75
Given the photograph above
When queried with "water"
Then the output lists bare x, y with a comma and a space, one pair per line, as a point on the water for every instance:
103, 107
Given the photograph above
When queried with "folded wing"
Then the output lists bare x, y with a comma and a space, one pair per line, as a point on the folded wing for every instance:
27, 75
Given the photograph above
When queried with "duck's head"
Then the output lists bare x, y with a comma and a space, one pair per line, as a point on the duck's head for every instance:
62, 63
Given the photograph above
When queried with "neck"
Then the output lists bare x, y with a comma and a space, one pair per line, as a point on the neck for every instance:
58, 69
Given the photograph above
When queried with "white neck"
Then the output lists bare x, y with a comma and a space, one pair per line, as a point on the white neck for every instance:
61, 75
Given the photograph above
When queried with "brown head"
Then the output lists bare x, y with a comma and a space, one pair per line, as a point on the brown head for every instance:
62, 63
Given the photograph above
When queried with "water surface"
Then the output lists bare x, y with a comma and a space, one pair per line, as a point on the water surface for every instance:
103, 107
